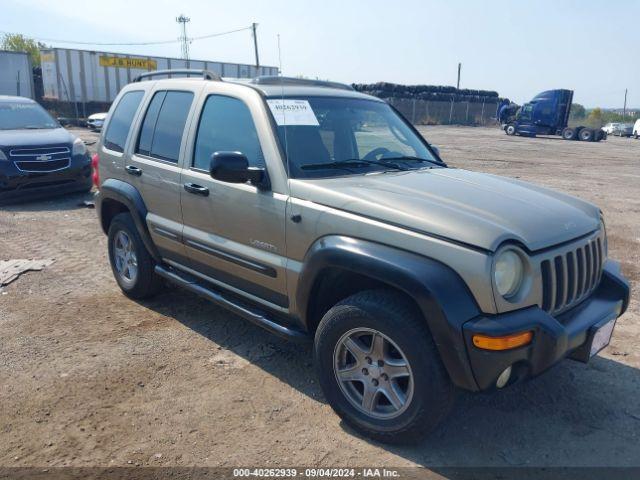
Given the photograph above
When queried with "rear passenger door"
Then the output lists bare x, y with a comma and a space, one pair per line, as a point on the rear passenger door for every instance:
154, 167
233, 233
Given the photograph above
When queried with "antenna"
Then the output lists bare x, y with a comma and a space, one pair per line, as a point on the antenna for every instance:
183, 20
284, 116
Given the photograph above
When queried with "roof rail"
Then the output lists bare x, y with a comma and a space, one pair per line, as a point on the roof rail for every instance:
205, 74
276, 80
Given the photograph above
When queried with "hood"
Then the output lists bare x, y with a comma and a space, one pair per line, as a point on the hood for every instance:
35, 138
473, 208
97, 116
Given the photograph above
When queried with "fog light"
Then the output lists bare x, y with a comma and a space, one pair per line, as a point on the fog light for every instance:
504, 377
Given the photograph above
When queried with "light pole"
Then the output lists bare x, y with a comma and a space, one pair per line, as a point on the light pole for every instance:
255, 47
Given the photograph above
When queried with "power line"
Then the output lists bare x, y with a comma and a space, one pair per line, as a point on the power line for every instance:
160, 42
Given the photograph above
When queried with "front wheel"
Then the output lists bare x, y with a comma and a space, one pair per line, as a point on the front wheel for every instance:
379, 367
510, 129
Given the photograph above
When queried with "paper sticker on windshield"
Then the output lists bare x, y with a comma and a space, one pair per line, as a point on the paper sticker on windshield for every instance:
292, 112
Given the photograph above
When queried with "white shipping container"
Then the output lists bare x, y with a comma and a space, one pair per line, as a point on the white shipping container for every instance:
16, 74
89, 76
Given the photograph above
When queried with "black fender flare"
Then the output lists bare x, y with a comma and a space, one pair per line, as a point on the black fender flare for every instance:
440, 293
116, 190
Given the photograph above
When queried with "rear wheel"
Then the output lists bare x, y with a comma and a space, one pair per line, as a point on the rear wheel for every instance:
586, 135
379, 367
131, 263
568, 133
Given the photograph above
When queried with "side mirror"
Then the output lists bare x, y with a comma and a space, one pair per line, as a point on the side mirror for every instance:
435, 149
233, 167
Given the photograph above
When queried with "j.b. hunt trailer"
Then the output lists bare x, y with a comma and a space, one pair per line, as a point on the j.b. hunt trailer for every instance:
83, 76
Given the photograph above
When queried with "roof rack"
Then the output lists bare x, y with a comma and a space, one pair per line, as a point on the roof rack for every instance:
276, 80
205, 74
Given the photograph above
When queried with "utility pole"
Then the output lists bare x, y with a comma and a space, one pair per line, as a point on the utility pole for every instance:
624, 109
459, 67
255, 47
183, 20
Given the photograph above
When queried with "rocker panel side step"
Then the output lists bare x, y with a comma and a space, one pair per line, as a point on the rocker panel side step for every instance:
254, 316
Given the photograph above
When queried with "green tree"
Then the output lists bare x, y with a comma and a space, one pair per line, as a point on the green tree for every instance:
19, 43
595, 118
577, 112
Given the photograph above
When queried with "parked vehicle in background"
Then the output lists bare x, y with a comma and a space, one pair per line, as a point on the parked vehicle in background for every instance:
611, 127
623, 130
37, 155
95, 121
636, 129
548, 114
320, 213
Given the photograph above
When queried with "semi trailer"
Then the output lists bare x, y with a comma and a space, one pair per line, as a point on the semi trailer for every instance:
548, 114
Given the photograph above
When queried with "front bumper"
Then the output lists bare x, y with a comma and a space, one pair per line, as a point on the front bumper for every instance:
569, 335
16, 185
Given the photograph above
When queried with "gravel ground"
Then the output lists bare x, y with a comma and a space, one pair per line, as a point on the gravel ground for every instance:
91, 378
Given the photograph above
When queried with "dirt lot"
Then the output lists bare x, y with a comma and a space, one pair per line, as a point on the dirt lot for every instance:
88, 377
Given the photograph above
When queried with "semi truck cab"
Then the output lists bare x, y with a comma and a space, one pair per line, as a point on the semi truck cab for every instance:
548, 114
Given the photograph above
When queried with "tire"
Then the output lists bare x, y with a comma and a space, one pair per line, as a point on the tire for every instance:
586, 135
136, 281
510, 130
568, 133
424, 384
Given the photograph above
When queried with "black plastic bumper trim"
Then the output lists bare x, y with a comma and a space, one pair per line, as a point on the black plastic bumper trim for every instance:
567, 336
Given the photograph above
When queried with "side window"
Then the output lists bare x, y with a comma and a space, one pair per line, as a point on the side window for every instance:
226, 125
149, 124
526, 112
163, 125
121, 120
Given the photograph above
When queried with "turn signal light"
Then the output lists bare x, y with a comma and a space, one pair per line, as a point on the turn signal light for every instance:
502, 343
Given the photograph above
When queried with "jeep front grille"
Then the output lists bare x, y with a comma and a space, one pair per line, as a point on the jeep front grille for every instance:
569, 278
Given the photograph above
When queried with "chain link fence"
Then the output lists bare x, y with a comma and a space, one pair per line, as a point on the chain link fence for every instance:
434, 112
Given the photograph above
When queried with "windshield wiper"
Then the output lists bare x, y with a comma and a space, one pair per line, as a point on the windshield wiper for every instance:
355, 163
409, 158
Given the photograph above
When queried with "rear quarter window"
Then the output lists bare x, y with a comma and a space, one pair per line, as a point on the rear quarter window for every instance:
120, 123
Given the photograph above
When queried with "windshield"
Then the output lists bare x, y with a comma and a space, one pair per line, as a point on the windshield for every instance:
23, 115
327, 136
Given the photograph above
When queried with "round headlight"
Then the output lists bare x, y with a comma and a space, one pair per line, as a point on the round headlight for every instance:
508, 273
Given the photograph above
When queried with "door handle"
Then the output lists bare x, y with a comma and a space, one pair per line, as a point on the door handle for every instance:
196, 189
131, 170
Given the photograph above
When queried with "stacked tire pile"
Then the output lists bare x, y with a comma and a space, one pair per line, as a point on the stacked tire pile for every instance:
436, 104
426, 92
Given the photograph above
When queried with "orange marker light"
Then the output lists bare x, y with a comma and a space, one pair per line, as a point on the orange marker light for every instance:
502, 343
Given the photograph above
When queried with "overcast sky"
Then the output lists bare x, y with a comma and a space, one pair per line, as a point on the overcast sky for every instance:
518, 48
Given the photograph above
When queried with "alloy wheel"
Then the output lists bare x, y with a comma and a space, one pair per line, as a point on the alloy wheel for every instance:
373, 373
125, 259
